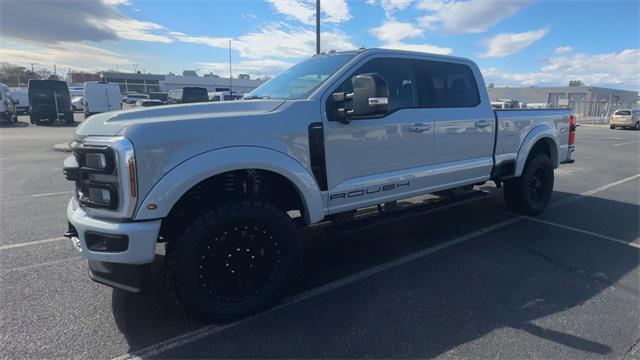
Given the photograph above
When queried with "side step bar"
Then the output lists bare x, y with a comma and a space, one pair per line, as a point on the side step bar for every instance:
369, 217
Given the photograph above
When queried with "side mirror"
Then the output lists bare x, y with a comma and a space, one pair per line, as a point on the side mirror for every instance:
370, 95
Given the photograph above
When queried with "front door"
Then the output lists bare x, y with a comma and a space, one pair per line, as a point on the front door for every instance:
374, 160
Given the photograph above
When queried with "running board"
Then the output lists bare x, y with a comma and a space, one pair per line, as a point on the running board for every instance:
369, 217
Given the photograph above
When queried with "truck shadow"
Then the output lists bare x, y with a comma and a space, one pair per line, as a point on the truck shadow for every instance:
459, 295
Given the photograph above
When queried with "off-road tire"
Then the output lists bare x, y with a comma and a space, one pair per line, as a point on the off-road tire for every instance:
199, 281
530, 193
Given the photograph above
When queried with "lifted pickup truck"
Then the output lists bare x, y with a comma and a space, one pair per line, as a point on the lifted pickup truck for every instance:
226, 184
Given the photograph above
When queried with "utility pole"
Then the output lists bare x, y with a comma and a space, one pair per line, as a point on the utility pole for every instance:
32, 68
317, 27
230, 73
55, 70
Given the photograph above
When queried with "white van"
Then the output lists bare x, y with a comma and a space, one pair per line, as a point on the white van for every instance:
101, 97
7, 105
21, 97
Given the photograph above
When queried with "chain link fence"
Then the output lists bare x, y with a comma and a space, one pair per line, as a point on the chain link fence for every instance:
594, 112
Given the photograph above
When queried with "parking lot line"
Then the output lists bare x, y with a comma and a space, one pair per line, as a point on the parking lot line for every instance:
581, 231
28, 243
157, 349
51, 194
591, 192
19, 268
627, 143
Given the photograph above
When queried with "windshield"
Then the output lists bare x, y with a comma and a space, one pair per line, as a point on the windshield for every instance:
299, 81
623, 112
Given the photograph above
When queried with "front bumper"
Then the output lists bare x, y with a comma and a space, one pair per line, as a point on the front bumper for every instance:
142, 235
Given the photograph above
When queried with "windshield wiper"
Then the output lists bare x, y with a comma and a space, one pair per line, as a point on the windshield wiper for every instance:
251, 97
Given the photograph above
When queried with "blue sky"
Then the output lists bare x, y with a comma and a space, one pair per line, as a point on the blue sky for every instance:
515, 43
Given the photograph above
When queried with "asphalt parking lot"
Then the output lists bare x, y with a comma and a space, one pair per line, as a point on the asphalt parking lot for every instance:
467, 281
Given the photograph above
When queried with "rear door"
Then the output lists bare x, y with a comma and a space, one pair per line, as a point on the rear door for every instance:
464, 122
378, 159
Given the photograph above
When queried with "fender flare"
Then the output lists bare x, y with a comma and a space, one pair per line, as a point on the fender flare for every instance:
537, 133
173, 185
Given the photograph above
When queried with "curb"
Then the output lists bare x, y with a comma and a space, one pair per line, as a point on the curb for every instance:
63, 147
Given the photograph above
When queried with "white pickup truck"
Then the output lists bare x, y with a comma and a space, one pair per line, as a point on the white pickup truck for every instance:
227, 184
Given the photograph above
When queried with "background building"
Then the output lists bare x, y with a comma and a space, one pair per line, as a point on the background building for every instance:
212, 83
134, 82
146, 83
590, 103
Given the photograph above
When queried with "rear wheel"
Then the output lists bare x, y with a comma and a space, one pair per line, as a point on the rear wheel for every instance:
233, 261
637, 127
530, 193
612, 127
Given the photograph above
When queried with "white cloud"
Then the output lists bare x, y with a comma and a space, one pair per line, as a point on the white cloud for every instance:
50, 21
275, 41
255, 68
77, 56
220, 42
427, 48
130, 29
391, 6
394, 31
335, 11
617, 68
563, 49
510, 43
468, 16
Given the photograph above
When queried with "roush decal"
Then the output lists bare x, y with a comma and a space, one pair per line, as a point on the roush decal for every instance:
367, 191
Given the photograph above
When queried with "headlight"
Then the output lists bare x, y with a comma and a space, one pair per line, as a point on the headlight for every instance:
105, 176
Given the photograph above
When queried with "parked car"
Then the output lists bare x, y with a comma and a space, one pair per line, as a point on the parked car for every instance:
625, 118
225, 96
148, 102
189, 94
77, 104
8, 111
132, 98
21, 97
101, 97
226, 184
49, 100
162, 96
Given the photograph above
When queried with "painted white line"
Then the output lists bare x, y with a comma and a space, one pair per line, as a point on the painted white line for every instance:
187, 338
51, 194
591, 192
627, 143
27, 267
28, 243
566, 227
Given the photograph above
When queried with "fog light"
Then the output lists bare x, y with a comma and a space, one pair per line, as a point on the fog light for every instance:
100, 195
96, 160
106, 242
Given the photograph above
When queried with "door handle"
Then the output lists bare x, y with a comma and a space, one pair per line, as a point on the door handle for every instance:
419, 128
482, 123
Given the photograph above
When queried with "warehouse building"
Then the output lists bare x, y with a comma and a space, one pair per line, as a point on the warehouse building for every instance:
212, 83
590, 103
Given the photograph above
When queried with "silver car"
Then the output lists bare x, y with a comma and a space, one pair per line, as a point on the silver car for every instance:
625, 118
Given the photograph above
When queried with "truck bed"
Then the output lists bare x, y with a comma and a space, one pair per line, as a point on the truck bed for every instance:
515, 127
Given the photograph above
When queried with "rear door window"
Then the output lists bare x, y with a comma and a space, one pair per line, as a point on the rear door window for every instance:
446, 85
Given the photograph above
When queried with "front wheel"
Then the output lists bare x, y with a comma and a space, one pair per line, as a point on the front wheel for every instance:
233, 261
612, 127
637, 127
530, 193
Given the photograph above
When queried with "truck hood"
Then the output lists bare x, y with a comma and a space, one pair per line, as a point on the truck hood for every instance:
112, 123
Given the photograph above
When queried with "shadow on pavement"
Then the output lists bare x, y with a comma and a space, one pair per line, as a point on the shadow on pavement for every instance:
508, 278
16, 124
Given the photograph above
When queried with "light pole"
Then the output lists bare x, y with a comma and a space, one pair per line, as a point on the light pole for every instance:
317, 27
